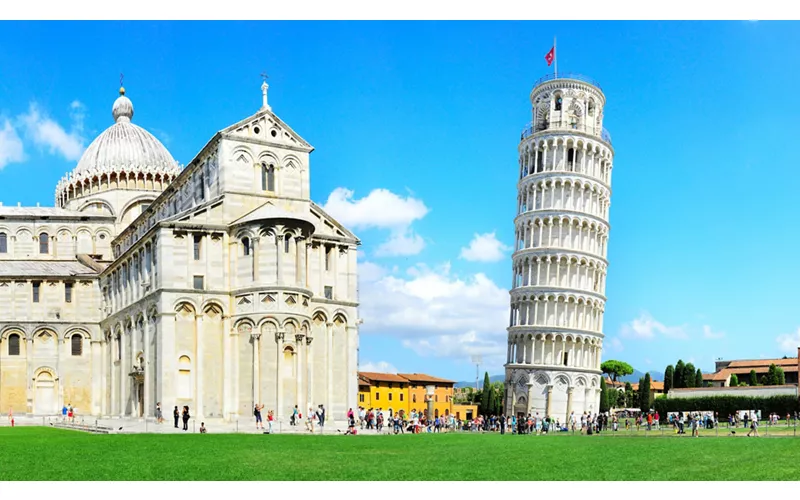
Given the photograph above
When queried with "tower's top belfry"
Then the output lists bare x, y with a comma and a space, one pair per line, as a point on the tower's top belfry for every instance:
567, 102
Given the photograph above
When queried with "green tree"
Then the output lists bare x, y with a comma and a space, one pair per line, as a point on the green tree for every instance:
630, 396
734, 381
679, 371
486, 395
616, 369
698, 378
669, 374
753, 378
644, 398
781, 376
688, 375
620, 399
603, 395
772, 375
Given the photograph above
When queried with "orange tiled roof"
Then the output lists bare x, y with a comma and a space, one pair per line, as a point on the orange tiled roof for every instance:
756, 363
381, 377
655, 385
423, 378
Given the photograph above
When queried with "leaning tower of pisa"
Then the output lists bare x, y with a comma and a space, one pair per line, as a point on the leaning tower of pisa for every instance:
555, 333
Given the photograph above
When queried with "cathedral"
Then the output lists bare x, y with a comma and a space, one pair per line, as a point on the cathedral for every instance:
216, 286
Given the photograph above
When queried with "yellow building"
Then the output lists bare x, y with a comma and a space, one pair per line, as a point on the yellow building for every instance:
407, 392
382, 390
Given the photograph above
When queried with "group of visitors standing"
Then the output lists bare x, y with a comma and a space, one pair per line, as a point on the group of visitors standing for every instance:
181, 415
312, 416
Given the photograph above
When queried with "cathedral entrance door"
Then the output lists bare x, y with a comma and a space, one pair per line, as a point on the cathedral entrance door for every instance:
45, 395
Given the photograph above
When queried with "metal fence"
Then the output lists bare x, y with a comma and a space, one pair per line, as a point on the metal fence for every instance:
567, 76
563, 125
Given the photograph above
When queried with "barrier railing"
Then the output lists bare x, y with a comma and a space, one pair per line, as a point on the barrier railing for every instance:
564, 125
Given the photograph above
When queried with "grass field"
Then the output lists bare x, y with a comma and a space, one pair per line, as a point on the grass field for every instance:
76, 456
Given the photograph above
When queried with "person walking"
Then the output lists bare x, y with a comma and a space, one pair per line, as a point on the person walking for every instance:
257, 413
176, 415
311, 416
753, 427
321, 418
186, 417
270, 418
159, 414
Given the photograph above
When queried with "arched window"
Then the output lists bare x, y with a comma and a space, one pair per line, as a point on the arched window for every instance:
44, 243
246, 246
3, 243
591, 108
571, 157
267, 177
184, 377
77, 345
286, 240
13, 345
558, 102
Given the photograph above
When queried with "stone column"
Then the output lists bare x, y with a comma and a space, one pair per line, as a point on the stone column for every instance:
549, 406
123, 372
148, 371
310, 370
228, 406
569, 400
104, 376
299, 399
279, 247
199, 372
335, 257
279, 376
530, 397
256, 337
300, 259
29, 369
256, 258
322, 269
329, 370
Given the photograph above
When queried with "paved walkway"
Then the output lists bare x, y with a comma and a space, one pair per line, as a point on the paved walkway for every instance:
149, 425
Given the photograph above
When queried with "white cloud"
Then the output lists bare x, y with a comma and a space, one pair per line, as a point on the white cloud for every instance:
710, 334
379, 367
401, 244
646, 327
47, 133
484, 248
381, 209
435, 312
614, 344
789, 342
11, 149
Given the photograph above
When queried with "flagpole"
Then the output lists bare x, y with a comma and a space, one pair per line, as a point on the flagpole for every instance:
555, 56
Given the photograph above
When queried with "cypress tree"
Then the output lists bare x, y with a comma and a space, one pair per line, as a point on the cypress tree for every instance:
772, 375
753, 378
644, 400
698, 378
630, 397
603, 395
486, 395
734, 381
688, 375
678, 379
781, 376
669, 374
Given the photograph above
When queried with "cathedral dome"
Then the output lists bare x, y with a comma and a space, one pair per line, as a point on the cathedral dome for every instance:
124, 146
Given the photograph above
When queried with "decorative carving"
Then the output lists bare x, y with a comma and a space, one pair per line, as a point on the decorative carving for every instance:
279, 337
298, 338
309, 338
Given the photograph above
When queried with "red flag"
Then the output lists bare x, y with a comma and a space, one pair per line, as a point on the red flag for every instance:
550, 56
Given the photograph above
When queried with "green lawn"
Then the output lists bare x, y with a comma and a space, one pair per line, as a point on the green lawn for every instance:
40, 454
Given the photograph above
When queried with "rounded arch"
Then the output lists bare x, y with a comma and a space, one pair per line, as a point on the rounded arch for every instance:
11, 329
185, 305
242, 152
213, 305
46, 370
92, 203
244, 326
77, 330
319, 315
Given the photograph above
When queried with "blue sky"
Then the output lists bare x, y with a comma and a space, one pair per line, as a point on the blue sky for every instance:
416, 127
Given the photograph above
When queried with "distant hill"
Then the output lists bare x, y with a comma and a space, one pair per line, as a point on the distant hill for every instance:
633, 379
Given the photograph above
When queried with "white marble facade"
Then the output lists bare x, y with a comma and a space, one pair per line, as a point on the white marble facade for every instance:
217, 286
555, 334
